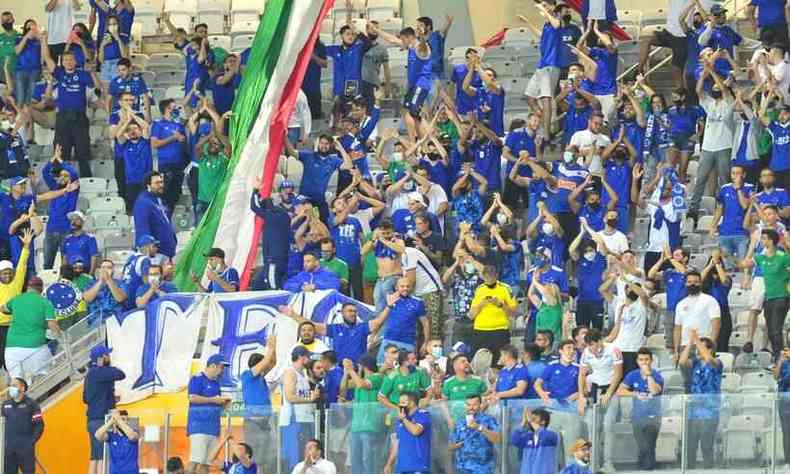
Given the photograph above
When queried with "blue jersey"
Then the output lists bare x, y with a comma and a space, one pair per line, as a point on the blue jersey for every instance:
402, 322
136, 266
569, 176
561, 381
770, 12
724, 37
732, 221
509, 378
80, 247
510, 264
203, 418
550, 46
418, 70
133, 84
71, 89
780, 153
645, 404
776, 196
553, 242
312, 77
575, 120
487, 162
347, 237
491, 109
29, 59
173, 153
347, 62
79, 54
123, 453
606, 76
589, 274
692, 44
317, 171
594, 216
569, 36
683, 120
349, 341
539, 450
675, 283
137, 159
465, 103
196, 70
114, 49
635, 134
414, 452
438, 172
436, 42
255, 392
225, 94
230, 275
705, 390
618, 175
517, 141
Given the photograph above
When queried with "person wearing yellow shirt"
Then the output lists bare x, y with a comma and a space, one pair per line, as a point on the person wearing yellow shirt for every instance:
492, 307
11, 282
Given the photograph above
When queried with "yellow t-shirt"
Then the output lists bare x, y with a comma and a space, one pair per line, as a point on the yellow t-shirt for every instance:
8, 291
492, 317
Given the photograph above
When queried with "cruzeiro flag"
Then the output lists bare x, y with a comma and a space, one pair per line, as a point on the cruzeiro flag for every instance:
278, 60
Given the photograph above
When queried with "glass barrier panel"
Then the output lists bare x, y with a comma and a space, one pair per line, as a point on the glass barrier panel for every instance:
358, 436
256, 427
149, 425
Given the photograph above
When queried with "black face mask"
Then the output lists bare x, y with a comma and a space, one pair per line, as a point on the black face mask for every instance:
715, 94
8, 26
693, 289
372, 37
678, 102
612, 222
697, 25
744, 116
491, 285
631, 295
566, 18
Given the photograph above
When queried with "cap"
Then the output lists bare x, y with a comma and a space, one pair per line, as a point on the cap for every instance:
300, 199
461, 347
71, 215
217, 359
287, 183
299, 351
367, 360
6, 265
146, 239
215, 252
579, 444
18, 180
36, 282
717, 10
99, 351
415, 196
73, 259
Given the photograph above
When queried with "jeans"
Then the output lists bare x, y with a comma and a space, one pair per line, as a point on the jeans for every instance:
52, 243
294, 134
606, 415
24, 82
590, 314
384, 286
774, 311
707, 161
646, 433
366, 451
734, 245
701, 433
174, 179
72, 131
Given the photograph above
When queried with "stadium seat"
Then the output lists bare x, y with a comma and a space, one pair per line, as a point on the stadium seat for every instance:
668, 442
708, 203
242, 42
738, 298
656, 341
759, 404
112, 221
757, 382
518, 35
245, 11
727, 360
93, 185
108, 203
169, 78
220, 41
499, 52
741, 440
755, 361
656, 17
49, 276
704, 223
505, 69
383, 9
730, 382
698, 260
174, 92
116, 239
212, 13
119, 257
391, 25
148, 17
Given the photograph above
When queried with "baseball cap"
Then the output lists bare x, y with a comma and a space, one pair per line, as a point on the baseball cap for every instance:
287, 183
299, 351
579, 444
73, 259
717, 10
71, 215
99, 351
18, 180
6, 265
215, 252
217, 359
300, 199
146, 239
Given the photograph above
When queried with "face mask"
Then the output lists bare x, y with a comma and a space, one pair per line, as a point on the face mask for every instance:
326, 255
8, 26
397, 156
589, 256
6, 125
408, 186
566, 18
612, 222
568, 157
697, 25
469, 268
715, 94
547, 228
13, 392
744, 116
412, 369
153, 279
501, 219
539, 262
631, 295
693, 289
436, 352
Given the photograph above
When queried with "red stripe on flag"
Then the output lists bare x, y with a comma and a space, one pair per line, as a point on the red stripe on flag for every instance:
277, 129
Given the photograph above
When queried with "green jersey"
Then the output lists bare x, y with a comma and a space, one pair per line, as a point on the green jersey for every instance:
367, 413
397, 383
336, 266
29, 315
776, 273
456, 390
211, 171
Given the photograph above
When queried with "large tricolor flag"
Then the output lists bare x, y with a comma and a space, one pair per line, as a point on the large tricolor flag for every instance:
281, 52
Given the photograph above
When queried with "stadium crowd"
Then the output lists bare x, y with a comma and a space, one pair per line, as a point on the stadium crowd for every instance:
552, 246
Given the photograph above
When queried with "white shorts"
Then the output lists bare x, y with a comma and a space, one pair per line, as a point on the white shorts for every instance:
543, 82
26, 362
757, 295
201, 447
607, 106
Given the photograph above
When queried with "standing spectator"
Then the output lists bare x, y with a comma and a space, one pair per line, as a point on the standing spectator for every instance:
388, 249
28, 50
151, 216
112, 48
314, 462
628, 333
698, 313
425, 280
274, 242
492, 307
411, 443
259, 432
205, 409
733, 202
32, 315
8, 41
717, 283
580, 461
602, 53
463, 277
108, 295
367, 426
62, 180
81, 44
132, 83
213, 154
13, 142
167, 138
705, 403
122, 440
98, 393
374, 61
12, 280
645, 385
225, 83
473, 439
589, 275
311, 85
24, 427
674, 279
405, 313
406, 377
222, 278
346, 232
301, 122
347, 60
296, 417
133, 138
537, 443
71, 122
775, 266
770, 18
719, 36
60, 18
461, 384
313, 277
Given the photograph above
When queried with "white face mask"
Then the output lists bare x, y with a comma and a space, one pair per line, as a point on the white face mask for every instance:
589, 256
501, 219
469, 267
547, 228
408, 186
436, 352
397, 156
568, 157
6, 125
13, 392
153, 279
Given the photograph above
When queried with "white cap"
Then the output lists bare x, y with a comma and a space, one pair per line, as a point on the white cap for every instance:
6, 265
71, 215
415, 196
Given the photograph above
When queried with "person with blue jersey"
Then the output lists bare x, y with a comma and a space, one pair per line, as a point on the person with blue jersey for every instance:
602, 12
137, 265
692, 31
705, 402
467, 202
473, 438
780, 151
78, 243
205, 409
718, 35
122, 443
577, 103
645, 385
312, 277
406, 312
132, 83
580, 458
540, 88
347, 62
781, 373
546, 232
258, 427
537, 443
489, 96
483, 147
619, 158
168, 138
222, 277
100, 10
107, 296
30, 47
593, 212
732, 203
435, 40
770, 17
151, 215
154, 286
464, 102
717, 283
684, 121
590, 258
601, 49
523, 142
81, 44
632, 122
356, 138
133, 138
346, 231
674, 279
513, 380
63, 181
224, 84
112, 48
311, 84
569, 36
274, 242
199, 58
534, 366
547, 273
42, 105
559, 385
71, 122
772, 195
411, 443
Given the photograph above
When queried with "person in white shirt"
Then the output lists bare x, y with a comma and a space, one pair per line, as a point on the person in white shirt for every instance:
301, 122
697, 311
60, 18
616, 242
628, 333
590, 144
719, 105
313, 462
603, 364
774, 68
427, 284
665, 220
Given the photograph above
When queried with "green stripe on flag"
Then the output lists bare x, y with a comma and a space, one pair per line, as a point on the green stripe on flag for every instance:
263, 58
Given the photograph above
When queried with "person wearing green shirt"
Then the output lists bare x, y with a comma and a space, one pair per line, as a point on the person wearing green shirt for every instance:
367, 416
775, 266
460, 385
212, 152
407, 378
8, 41
396, 164
26, 351
335, 265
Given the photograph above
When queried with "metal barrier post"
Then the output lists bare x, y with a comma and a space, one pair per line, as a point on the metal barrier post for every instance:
278, 440
684, 433
774, 437
594, 438
105, 463
505, 424
2, 442
166, 450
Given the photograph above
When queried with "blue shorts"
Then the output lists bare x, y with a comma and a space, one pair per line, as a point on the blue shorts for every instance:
97, 447
414, 99
682, 142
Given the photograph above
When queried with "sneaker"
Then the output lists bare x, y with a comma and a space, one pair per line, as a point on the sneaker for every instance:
608, 468
748, 347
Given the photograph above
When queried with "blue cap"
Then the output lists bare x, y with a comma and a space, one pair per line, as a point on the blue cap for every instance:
300, 199
99, 351
74, 259
287, 183
146, 239
18, 180
217, 359
717, 9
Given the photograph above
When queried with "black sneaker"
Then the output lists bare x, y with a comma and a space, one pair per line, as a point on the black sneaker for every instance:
748, 348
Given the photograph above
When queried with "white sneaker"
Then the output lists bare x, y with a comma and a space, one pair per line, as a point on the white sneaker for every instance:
608, 467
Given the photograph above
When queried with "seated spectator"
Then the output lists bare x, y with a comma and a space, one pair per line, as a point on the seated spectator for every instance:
559, 382
128, 82
580, 462
213, 153
107, 295
153, 286
473, 438
538, 443
113, 47
312, 278
513, 380
79, 244
329, 261
314, 462
42, 104
81, 45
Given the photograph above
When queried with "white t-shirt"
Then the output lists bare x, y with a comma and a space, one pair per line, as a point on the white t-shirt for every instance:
602, 365
719, 124
584, 140
781, 74
674, 9
632, 327
617, 243
427, 279
597, 10
59, 22
301, 118
696, 312
322, 466
659, 237
364, 216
